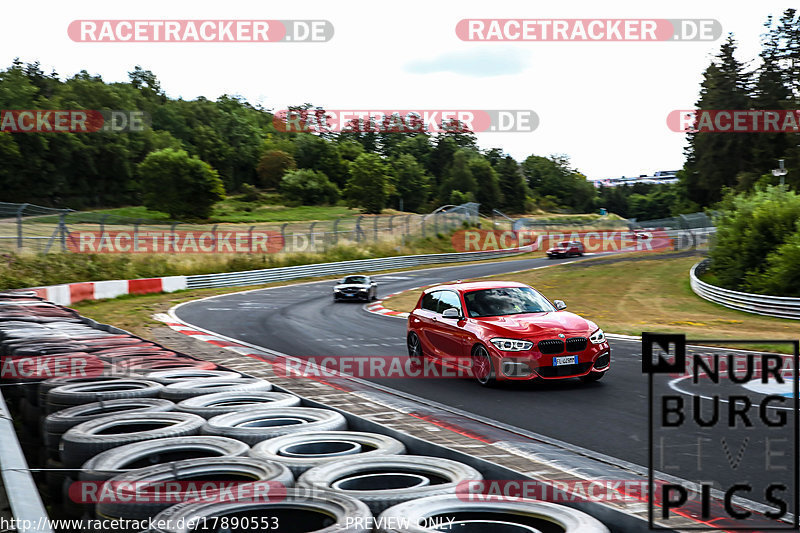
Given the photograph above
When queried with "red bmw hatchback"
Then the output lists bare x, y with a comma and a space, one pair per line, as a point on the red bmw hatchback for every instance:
506, 330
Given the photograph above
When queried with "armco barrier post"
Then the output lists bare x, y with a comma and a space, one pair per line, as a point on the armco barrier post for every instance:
336, 231
312, 247
19, 225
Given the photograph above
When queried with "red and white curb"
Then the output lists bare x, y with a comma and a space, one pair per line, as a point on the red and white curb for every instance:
70, 293
204, 336
378, 308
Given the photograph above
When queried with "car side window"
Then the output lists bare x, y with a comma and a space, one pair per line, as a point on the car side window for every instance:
430, 301
448, 300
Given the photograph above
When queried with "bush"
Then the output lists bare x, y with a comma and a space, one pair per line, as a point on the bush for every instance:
308, 187
179, 184
273, 166
756, 241
250, 193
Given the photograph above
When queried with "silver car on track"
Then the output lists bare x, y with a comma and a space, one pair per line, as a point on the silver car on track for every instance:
355, 288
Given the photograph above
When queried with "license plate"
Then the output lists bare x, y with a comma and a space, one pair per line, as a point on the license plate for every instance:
567, 360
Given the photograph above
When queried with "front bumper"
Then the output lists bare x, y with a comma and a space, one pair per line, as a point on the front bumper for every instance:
533, 365
360, 295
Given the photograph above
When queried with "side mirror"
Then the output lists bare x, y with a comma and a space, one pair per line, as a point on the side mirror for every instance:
560, 304
451, 313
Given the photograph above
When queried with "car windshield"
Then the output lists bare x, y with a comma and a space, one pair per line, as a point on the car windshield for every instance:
564, 244
506, 301
357, 280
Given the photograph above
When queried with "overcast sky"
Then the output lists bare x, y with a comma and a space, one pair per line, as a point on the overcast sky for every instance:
603, 104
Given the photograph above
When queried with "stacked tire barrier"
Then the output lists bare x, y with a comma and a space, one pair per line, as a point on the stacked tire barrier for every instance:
125, 418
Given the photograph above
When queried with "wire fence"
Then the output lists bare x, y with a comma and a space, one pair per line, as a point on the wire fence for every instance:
31, 228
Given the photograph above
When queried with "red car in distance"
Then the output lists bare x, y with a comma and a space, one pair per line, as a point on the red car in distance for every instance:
566, 249
505, 331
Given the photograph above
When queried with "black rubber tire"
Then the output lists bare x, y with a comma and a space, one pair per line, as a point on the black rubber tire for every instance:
86, 440
80, 393
54, 477
414, 346
371, 444
197, 387
213, 469
56, 424
537, 514
46, 386
310, 513
121, 459
220, 403
244, 425
30, 415
480, 353
166, 377
450, 474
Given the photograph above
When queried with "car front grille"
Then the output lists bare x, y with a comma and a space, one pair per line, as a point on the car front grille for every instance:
562, 371
551, 346
576, 344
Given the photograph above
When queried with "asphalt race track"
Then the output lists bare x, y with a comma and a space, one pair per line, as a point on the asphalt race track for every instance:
610, 416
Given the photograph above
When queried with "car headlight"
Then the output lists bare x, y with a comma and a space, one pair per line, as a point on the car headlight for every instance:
597, 337
512, 345
336, 289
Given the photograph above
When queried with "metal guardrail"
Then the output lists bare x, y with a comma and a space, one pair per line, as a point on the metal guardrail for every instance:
683, 239
255, 277
760, 304
26, 504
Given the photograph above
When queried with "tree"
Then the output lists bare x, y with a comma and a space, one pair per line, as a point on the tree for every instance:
512, 185
179, 184
714, 159
488, 192
750, 235
458, 177
318, 154
272, 166
367, 187
308, 187
411, 182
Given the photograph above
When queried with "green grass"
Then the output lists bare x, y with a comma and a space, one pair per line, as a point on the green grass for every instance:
236, 211
230, 210
647, 294
29, 270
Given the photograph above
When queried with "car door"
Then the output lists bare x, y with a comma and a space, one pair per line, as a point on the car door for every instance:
423, 320
449, 334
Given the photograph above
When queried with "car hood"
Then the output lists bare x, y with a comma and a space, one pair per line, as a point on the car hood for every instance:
352, 286
538, 324
556, 249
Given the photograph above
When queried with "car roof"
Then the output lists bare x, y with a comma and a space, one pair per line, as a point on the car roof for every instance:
475, 285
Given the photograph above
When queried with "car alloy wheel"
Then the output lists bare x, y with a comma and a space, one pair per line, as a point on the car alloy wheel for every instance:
482, 369
414, 346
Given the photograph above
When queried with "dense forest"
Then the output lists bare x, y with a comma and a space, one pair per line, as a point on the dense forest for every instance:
229, 146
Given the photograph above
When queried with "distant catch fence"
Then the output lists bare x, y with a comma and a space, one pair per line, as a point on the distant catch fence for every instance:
32, 228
